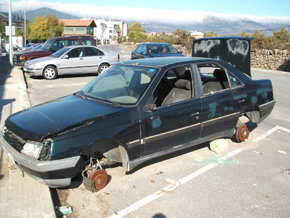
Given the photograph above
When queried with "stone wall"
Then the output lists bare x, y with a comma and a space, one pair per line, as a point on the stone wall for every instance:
271, 59
260, 58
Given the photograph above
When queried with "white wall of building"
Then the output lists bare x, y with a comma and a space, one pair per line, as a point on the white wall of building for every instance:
107, 30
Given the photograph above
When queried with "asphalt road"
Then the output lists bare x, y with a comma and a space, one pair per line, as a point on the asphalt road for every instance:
253, 180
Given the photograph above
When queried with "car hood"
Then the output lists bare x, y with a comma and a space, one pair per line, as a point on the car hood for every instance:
166, 55
43, 59
50, 118
37, 52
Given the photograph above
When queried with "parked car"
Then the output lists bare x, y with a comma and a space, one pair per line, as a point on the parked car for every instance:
71, 60
153, 50
28, 46
33, 47
135, 111
51, 46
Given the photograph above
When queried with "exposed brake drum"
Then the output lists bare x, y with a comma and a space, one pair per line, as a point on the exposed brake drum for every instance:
95, 177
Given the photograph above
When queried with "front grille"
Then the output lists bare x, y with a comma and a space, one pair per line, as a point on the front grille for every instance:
15, 141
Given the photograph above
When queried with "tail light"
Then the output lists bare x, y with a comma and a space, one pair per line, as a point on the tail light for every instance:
118, 57
23, 58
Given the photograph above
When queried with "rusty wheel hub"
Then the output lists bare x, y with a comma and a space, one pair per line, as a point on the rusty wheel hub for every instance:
243, 132
100, 178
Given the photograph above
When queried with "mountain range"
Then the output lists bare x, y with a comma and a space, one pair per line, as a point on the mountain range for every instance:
220, 26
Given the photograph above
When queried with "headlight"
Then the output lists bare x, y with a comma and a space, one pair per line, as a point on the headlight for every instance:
37, 150
32, 149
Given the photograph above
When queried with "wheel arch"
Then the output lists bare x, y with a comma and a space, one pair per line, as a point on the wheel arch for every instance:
253, 114
111, 149
52, 65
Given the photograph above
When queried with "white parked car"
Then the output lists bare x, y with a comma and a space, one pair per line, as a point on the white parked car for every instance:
71, 60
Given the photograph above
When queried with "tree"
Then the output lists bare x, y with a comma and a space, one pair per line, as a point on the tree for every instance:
2, 28
210, 34
260, 40
282, 35
136, 32
45, 27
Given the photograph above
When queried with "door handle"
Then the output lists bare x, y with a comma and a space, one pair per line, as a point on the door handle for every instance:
242, 101
81, 58
194, 114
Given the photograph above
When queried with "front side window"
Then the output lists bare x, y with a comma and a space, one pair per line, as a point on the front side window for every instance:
75, 53
120, 84
71, 42
175, 86
58, 44
60, 52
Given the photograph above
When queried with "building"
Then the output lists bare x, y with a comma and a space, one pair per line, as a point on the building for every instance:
196, 34
108, 30
78, 26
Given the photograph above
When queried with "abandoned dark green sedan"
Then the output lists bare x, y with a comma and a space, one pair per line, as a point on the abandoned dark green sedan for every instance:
135, 111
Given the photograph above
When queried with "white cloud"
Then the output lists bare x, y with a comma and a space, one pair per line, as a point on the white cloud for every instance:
140, 14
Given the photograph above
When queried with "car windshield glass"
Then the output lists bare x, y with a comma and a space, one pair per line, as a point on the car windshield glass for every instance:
47, 44
60, 52
36, 47
162, 49
121, 84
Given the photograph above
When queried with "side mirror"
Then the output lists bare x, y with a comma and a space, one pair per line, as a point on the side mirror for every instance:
144, 53
65, 57
150, 107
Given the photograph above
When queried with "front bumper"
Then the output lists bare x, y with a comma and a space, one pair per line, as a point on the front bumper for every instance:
32, 71
54, 173
17, 61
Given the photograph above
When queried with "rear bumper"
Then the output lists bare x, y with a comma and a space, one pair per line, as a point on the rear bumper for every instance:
266, 109
55, 173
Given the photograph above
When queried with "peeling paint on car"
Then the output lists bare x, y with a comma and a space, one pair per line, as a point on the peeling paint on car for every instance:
228, 108
212, 109
156, 123
241, 96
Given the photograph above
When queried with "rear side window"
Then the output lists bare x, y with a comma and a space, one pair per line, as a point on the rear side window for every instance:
214, 78
86, 42
93, 52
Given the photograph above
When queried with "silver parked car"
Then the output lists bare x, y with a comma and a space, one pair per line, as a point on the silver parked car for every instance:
71, 60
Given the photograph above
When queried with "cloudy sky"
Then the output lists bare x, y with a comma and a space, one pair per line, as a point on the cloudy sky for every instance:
165, 11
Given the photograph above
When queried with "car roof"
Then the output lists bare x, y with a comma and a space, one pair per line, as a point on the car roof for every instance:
154, 43
81, 46
72, 37
163, 61
226, 37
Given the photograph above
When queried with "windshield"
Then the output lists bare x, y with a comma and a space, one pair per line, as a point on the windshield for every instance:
36, 47
47, 44
60, 52
162, 49
120, 84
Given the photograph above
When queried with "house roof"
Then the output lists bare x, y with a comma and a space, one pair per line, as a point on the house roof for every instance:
78, 22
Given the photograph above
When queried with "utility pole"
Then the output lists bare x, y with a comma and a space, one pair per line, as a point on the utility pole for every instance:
24, 32
10, 34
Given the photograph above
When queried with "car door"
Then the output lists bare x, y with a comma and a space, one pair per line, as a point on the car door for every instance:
219, 113
72, 62
167, 122
93, 58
